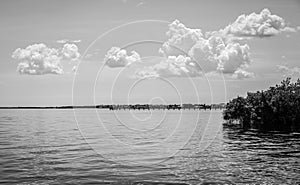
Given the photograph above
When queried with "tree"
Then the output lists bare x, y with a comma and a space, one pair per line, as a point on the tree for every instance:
277, 108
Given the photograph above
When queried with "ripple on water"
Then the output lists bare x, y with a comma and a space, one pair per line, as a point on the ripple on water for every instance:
46, 147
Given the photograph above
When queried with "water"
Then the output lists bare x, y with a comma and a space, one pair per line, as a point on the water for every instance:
140, 147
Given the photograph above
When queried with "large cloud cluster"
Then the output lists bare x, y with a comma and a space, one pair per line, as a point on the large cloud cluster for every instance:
213, 53
263, 24
189, 52
38, 59
218, 51
117, 57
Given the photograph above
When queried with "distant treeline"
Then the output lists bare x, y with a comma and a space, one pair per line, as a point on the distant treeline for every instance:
134, 106
52, 107
169, 107
275, 109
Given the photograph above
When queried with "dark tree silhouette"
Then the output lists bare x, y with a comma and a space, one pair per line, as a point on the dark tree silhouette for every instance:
277, 108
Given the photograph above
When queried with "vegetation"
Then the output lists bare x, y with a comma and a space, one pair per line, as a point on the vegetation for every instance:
188, 106
277, 108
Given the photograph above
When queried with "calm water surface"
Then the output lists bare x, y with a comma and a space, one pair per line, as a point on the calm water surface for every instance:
140, 147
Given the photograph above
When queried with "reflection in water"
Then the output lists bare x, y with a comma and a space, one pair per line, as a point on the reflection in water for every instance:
46, 147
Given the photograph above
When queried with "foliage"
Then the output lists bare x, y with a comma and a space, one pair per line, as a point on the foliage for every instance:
277, 108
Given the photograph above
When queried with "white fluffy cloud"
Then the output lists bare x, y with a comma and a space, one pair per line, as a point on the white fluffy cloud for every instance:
212, 53
189, 52
171, 67
263, 24
70, 52
233, 57
64, 41
242, 74
38, 59
117, 57
180, 39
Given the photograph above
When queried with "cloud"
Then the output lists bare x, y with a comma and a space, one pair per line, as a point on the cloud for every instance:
70, 52
38, 59
233, 57
212, 53
289, 71
117, 57
140, 4
64, 41
242, 74
189, 52
173, 66
76, 41
180, 39
264, 24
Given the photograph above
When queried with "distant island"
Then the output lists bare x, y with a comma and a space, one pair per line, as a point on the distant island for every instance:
187, 106
275, 109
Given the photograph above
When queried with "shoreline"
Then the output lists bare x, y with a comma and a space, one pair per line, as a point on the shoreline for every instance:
128, 107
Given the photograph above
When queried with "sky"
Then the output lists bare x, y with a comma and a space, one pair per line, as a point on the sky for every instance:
140, 51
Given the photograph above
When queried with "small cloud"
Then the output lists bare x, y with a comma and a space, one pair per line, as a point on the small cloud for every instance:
76, 41
70, 52
64, 41
242, 74
289, 71
117, 57
140, 4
